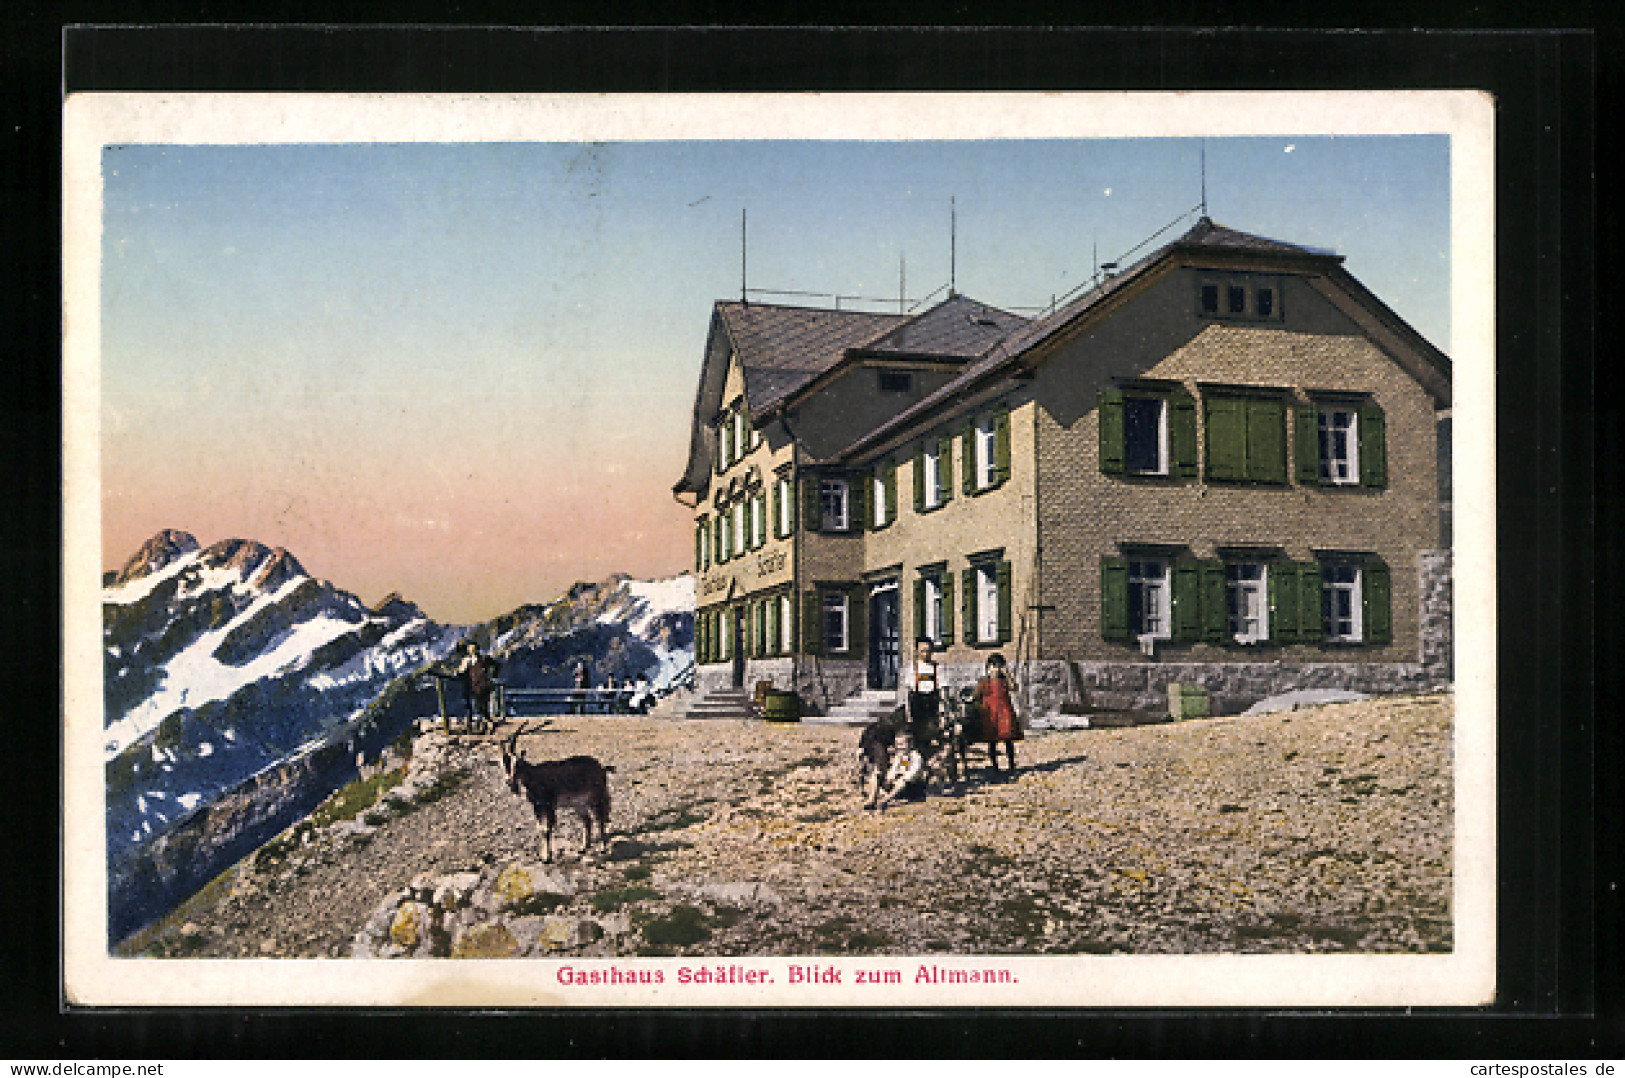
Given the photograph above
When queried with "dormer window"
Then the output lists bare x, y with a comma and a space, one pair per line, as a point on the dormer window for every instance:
896, 382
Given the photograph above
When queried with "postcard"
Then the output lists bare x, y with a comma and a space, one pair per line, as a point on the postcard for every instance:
843, 550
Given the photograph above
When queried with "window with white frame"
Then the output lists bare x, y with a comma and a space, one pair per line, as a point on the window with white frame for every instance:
725, 635
758, 520
738, 513
987, 603
1247, 597
933, 609
1148, 599
739, 434
835, 616
832, 500
1145, 436
986, 453
1339, 446
785, 493
931, 483
1340, 602
877, 498
786, 625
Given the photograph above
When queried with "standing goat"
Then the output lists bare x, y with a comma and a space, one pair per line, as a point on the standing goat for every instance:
579, 783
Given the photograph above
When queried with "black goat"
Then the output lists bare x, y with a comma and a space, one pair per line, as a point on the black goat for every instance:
579, 783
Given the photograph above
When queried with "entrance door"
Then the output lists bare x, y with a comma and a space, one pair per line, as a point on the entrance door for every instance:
884, 636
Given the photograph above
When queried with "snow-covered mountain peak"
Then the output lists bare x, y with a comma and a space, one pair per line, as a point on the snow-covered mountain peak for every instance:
157, 552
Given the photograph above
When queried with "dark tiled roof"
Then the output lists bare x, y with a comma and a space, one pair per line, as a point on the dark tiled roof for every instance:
1203, 235
959, 327
1208, 234
784, 348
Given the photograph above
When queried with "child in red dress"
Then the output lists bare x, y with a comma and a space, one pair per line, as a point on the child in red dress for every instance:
995, 697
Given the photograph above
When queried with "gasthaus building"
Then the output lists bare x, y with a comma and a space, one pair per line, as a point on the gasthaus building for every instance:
1218, 467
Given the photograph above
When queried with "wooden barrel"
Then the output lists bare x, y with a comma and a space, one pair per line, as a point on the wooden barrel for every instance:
781, 706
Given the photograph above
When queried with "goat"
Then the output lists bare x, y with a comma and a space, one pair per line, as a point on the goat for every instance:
578, 783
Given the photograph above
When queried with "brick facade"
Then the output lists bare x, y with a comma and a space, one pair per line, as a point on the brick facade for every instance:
1306, 341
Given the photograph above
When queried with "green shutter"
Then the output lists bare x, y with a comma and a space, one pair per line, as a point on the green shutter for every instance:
967, 460
1311, 624
1001, 445
812, 510
699, 546
857, 620
945, 468
919, 479
1282, 578
1215, 605
790, 511
1005, 620
857, 504
699, 638
771, 495
946, 583
1182, 435
919, 609
891, 491
967, 604
1266, 441
1187, 613
770, 609
812, 624
1377, 615
1307, 451
1110, 407
1114, 598
1373, 446
1226, 438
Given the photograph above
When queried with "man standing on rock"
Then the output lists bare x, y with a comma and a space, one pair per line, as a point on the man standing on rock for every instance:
476, 672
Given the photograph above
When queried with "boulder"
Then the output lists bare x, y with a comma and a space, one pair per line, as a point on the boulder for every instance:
518, 882
487, 939
453, 892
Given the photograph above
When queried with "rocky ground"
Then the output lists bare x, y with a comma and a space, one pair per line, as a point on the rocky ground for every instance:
1326, 829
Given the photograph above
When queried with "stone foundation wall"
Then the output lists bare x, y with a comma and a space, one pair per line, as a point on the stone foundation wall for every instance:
1436, 637
823, 683
1232, 687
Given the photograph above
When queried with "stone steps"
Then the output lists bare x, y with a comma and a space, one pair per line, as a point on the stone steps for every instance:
859, 709
720, 704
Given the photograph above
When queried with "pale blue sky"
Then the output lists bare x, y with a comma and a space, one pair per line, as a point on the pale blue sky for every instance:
464, 371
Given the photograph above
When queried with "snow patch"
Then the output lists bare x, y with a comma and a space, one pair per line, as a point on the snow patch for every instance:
194, 677
140, 588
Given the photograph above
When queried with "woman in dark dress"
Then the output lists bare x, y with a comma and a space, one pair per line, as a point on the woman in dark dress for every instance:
995, 700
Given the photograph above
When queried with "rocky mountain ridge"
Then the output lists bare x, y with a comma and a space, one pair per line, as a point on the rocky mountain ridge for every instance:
238, 691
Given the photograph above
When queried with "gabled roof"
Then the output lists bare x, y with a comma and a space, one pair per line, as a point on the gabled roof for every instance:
959, 327
781, 349
1018, 347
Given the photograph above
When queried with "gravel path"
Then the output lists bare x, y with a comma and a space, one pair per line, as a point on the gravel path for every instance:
1325, 829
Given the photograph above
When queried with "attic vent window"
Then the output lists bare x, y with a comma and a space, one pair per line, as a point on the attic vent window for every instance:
1238, 299
1210, 299
896, 382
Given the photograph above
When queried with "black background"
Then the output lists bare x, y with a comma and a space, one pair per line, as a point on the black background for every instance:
1558, 450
